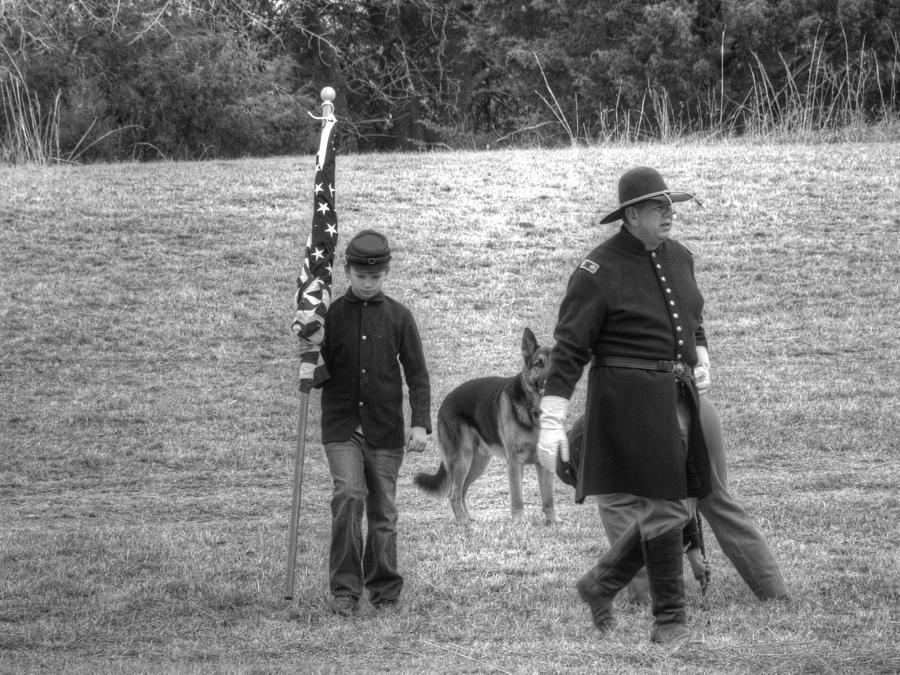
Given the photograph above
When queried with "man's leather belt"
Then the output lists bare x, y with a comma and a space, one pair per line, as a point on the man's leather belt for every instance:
677, 367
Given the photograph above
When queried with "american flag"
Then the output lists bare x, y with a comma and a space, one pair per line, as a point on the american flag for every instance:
314, 282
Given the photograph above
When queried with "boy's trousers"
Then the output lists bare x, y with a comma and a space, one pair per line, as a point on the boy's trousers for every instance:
739, 538
365, 480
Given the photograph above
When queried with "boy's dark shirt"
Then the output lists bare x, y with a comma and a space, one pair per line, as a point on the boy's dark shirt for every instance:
366, 341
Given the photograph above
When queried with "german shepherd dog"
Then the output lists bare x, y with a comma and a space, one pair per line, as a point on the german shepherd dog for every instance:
493, 416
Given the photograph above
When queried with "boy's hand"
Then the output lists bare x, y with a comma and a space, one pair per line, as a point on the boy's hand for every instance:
416, 439
305, 346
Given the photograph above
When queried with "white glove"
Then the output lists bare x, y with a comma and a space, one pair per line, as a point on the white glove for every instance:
552, 440
701, 370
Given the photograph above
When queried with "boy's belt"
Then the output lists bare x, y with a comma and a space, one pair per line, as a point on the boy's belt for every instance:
677, 367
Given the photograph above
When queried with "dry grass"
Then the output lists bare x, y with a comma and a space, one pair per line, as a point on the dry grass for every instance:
149, 397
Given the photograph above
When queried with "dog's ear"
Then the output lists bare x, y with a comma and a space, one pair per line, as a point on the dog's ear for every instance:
529, 344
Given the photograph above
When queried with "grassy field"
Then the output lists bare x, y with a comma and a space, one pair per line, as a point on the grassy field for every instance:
149, 411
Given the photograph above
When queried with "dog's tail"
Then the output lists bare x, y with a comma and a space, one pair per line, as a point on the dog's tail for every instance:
438, 483
435, 483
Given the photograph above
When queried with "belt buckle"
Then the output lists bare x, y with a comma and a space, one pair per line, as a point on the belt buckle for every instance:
679, 368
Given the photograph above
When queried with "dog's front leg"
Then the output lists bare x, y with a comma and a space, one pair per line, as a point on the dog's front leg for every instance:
516, 502
545, 483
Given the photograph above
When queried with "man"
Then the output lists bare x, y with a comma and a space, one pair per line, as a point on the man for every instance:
632, 308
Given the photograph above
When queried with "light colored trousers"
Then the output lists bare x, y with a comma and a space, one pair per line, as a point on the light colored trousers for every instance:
739, 538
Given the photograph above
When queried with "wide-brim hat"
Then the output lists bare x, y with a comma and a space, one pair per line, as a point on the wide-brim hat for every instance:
369, 249
640, 184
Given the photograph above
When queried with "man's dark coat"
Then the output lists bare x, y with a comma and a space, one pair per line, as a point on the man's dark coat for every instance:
625, 301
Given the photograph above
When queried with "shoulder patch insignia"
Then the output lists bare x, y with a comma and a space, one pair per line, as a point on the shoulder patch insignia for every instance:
589, 265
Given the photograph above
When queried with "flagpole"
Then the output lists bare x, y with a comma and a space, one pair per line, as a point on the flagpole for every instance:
302, 329
295, 502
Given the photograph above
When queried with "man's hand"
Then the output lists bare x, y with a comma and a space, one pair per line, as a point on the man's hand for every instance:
416, 439
699, 567
701, 371
552, 440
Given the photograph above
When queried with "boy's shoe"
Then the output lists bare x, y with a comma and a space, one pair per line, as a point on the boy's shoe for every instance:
387, 605
343, 605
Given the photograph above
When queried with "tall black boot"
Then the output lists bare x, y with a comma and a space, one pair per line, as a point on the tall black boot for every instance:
666, 573
610, 575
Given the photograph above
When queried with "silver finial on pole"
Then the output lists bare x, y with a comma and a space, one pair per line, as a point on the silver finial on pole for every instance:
327, 95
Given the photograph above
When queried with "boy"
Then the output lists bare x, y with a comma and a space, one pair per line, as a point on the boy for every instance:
368, 336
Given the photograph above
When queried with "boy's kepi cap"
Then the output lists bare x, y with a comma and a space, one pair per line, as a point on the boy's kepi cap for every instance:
370, 249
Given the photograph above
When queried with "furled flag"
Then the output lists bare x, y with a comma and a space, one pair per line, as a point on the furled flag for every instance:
314, 282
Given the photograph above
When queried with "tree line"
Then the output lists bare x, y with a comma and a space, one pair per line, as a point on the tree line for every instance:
88, 80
